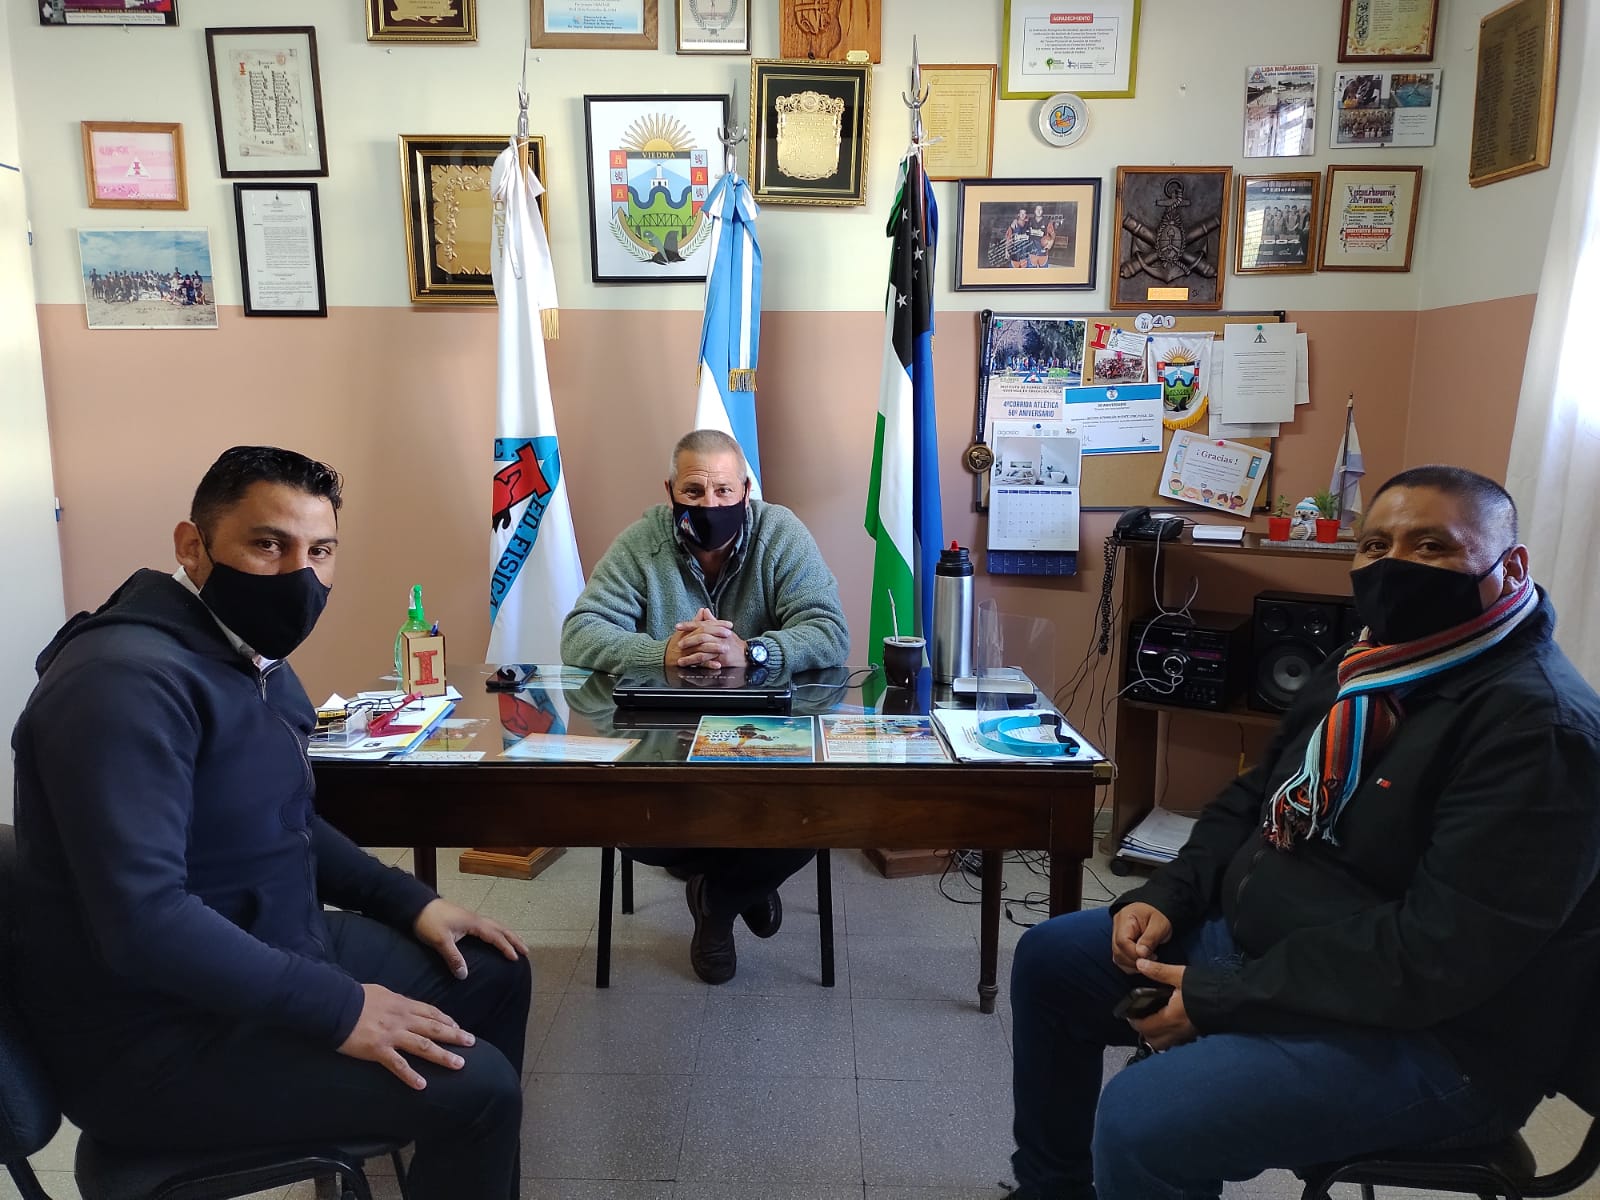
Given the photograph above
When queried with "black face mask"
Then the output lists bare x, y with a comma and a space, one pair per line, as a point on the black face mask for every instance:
706, 527
1403, 601
272, 614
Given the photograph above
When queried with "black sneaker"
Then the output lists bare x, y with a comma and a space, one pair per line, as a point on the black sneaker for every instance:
1027, 1191
711, 951
765, 916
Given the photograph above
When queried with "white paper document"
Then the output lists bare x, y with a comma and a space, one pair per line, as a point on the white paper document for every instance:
1034, 486
1259, 365
1158, 837
1125, 419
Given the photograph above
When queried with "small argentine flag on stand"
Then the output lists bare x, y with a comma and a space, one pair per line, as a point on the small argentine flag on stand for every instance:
731, 335
1348, 470
534, 571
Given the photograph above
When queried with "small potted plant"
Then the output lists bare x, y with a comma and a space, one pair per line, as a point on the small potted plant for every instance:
1327, 515
1279, 522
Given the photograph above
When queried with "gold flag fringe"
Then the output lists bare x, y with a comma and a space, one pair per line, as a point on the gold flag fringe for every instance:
550, 319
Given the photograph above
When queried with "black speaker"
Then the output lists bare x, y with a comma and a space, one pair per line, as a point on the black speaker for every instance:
1291, 633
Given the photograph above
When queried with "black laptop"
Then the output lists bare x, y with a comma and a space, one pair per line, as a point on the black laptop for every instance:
745, 692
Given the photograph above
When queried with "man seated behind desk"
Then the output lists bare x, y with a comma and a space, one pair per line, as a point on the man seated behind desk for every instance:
1383, 935
713, 579
184, 985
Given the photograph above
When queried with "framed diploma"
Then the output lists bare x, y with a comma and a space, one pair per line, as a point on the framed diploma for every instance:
1387, 30
134, 164
280, 249
108, 12
1514, 107
1369, 218
960, 113
595, 24
713, 26
808, 131
1092, 50
422, 20
266, 98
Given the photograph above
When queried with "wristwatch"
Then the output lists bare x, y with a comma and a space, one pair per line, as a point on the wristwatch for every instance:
755, 652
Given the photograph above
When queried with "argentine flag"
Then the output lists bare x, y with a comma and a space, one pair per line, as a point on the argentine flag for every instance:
731, 335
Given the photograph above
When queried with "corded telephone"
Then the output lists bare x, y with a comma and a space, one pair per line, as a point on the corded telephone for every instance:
1137, 525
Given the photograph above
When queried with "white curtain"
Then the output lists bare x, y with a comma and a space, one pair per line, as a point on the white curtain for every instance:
1555, 453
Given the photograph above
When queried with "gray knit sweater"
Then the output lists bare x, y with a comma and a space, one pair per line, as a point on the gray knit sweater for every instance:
775, 587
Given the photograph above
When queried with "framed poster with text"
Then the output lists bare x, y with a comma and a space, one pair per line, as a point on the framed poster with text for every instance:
1091, 50
1369, 218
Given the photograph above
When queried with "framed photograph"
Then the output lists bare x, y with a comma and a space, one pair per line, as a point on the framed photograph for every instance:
449, 213
595, 24
162, 13
280, 249
1275, 227
422, 20
1092, 50
1387, 30
652, 161
808, 131
147, 278
266, 98
1514, 106
713, 26
1385, 108
1369, 218
1171, 238
134, 164
1280, 111
1027, 234
960, 112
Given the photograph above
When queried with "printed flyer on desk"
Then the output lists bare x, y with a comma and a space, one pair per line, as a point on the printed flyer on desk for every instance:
753, 740
875, 738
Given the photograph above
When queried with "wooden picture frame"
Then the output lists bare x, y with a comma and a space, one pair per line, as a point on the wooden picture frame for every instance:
1104, 34
1510, 92
449, 213
1369, 202
1149, 271
960, 112
283, 221
431, 21
163, 14
134, 164
1275, 223
555, 24
704, 27
651, 162
1378, 31
1055, 248
830, 166
283, 59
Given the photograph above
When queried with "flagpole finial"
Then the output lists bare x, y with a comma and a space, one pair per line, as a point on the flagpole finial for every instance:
917, 98
730, 136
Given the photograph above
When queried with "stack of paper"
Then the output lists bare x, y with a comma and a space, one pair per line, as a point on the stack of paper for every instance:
1157, 838
1255, 405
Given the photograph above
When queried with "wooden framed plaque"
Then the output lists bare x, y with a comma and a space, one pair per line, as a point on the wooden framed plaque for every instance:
1514, 107
830, 29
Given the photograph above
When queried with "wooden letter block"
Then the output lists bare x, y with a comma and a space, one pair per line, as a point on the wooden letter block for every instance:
830, 29
424, 663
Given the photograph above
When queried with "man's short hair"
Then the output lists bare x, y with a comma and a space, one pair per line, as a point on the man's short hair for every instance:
708, 441
227, 480
1491, 504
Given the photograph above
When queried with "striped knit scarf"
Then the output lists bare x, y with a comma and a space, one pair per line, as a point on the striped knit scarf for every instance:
1366, 711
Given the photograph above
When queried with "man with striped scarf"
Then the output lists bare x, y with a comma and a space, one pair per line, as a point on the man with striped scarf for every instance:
1381, 935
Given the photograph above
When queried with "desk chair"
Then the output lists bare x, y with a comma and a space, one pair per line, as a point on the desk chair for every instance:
1504, 1169
30, 1117
608, 870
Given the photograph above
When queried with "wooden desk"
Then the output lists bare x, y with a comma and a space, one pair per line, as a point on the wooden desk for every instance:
653, 797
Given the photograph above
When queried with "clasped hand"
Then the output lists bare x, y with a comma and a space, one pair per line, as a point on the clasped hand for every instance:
705, 641
1137, 932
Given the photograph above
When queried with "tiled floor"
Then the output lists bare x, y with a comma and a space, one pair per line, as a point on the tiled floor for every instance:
889, 1086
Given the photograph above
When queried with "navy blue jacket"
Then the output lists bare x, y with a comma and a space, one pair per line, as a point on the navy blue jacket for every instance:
170, 861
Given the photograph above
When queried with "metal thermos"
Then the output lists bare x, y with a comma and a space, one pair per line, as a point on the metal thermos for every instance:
952, 615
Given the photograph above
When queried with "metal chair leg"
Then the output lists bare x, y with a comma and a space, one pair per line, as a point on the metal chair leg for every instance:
1367, 1193
27, 1182
602, 952
825, 912
627, 882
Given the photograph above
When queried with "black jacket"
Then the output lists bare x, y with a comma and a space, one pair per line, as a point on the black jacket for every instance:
170, 862
1461, 897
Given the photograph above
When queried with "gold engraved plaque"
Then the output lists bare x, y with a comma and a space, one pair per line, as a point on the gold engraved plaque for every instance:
463, 219
809, 127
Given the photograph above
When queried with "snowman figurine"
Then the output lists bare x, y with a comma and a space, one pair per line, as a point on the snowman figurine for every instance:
1304, 525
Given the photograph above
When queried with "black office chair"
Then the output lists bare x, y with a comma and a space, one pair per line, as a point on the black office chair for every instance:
1504, 1170
608, 869
30, 1116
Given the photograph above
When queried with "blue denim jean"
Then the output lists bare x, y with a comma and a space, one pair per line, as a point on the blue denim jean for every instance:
1225, 1106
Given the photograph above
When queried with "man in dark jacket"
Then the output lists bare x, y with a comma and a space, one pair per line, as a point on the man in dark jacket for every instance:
184, 983
1382, 935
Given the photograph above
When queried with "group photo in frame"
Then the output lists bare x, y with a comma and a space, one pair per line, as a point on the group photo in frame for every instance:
808, 131
1170, 243
280, 249
1275, 223
595, 24
1369, 217
449, 213
1027, 234
713, 26
134, 164
276, 140
160, 13
1380, 31
422, 20
652, 161
1094, 54
147, 279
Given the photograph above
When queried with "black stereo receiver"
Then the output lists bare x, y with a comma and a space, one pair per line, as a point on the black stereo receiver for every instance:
1198, 661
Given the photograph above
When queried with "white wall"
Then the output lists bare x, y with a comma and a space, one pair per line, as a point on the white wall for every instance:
32, 606
1192, 58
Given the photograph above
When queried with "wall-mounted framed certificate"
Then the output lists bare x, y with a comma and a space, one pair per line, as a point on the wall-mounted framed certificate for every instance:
280, 249
713, 26
960, 113
595, 24
1374, 31
1091, 51
266, 97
